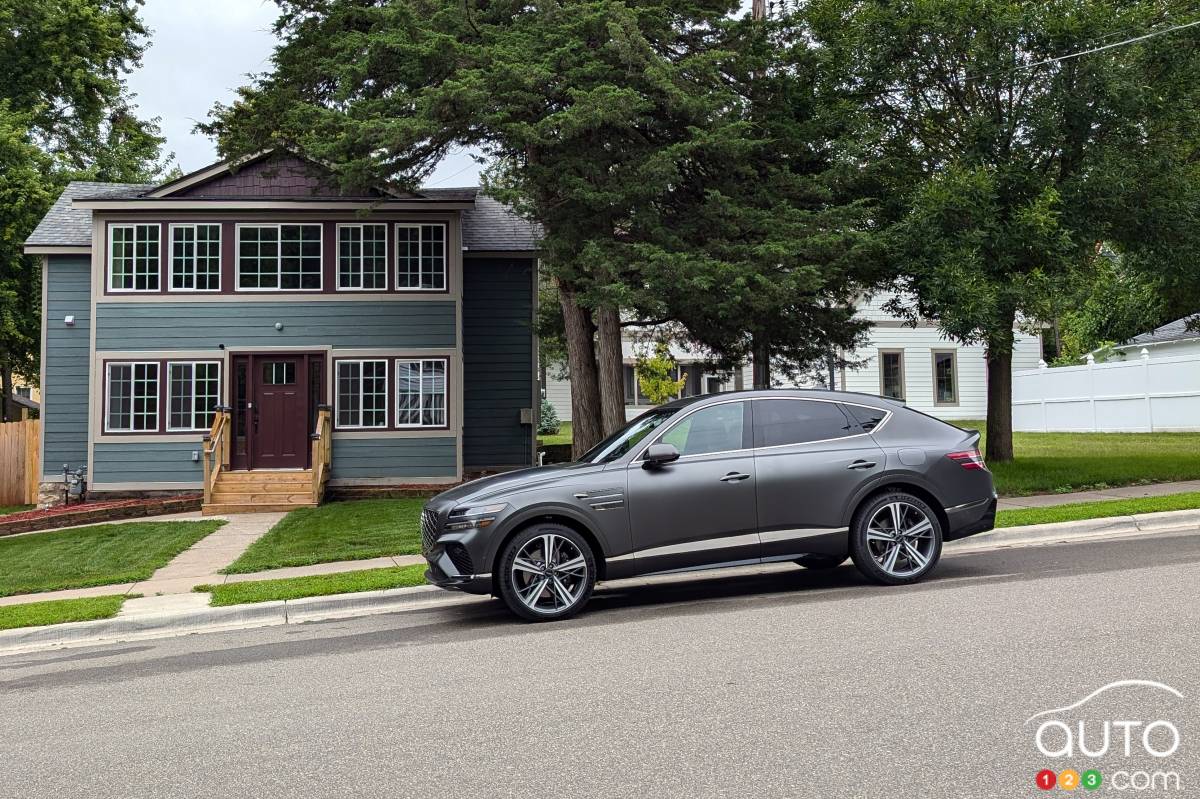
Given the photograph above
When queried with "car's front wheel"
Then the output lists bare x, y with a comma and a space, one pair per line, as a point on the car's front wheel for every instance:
896, 539
547, 572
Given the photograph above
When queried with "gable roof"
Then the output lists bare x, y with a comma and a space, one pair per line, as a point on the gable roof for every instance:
1172, 331
488, 225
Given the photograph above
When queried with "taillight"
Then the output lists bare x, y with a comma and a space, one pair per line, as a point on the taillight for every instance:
968, 458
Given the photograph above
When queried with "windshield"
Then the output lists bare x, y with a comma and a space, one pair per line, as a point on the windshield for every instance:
627, 437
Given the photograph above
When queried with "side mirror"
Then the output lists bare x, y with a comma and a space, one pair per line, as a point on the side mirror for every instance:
659, 455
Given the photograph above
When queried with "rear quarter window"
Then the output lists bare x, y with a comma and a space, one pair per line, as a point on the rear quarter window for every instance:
778, 422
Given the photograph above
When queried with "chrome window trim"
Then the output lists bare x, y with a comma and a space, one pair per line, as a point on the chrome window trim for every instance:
701, 405
877, 428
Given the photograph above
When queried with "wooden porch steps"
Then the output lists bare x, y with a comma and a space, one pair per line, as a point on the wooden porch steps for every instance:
261, 492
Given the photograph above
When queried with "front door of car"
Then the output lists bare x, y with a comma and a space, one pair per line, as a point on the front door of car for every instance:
700, 509
811, 456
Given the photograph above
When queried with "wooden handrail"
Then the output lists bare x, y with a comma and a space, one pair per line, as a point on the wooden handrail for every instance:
216, 451
322, 452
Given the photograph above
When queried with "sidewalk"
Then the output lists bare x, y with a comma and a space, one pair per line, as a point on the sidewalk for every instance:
1128, 492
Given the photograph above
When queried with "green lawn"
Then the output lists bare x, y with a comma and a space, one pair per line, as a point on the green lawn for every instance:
319, 585
1097, 510
87, 556
1047, 463
563, 436
368, 528
60, 611
6, 509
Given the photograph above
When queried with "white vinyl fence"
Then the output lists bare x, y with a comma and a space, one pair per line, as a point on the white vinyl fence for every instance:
1139, 395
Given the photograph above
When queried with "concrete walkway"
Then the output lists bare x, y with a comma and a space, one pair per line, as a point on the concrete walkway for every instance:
200, 564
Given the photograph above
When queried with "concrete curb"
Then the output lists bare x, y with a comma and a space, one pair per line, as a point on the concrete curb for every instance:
1084, 528
394, 600
234, 617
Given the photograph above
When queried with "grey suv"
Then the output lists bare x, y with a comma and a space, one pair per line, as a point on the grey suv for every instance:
720, 480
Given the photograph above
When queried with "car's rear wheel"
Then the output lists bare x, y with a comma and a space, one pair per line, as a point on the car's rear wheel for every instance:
547, 572
821, 561
896, 539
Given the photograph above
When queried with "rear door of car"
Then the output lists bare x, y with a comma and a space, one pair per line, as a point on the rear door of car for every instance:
699, 510
810, 457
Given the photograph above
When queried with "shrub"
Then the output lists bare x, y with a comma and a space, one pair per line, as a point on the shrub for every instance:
548, 423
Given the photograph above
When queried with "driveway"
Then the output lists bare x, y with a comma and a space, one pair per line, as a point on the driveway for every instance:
795, 683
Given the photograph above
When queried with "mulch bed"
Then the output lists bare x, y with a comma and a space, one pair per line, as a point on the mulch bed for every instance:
101, 511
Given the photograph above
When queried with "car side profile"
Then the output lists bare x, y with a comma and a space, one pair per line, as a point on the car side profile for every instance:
731, 479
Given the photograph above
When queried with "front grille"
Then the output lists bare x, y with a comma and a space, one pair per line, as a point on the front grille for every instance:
460, 558
429, 531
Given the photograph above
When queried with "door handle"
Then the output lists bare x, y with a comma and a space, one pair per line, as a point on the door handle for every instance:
734, 477
862, 465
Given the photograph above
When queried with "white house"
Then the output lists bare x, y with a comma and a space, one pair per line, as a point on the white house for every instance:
916, 364
1173, 338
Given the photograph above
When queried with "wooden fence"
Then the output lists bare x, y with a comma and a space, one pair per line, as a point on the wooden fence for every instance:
19, 462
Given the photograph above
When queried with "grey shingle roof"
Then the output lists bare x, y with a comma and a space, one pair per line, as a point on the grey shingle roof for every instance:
1172, 331
490, 225
64, 226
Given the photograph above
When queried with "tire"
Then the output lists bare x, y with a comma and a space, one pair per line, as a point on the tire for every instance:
873, 540
566, 585
819, 562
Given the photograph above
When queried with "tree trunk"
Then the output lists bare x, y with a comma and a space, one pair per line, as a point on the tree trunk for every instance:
610, 370
6, 392
999, 397
581, 365
760, 351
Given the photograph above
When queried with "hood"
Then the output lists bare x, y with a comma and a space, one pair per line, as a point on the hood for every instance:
512, 482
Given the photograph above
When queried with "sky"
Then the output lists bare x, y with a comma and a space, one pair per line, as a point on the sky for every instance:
200, 52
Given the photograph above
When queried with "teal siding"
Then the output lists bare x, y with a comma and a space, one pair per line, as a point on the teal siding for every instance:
65, 388
497, 362
147, 463
247, 323
394, 457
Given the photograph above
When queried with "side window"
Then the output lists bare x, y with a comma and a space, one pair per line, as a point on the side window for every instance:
782, 421
867, 418
718, 428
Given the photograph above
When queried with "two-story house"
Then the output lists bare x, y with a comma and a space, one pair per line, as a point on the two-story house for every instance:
387, 336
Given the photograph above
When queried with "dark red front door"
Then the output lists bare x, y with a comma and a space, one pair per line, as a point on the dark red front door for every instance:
275, 400
280, 413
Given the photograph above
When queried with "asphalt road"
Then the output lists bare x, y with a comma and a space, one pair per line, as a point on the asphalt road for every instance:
788, 683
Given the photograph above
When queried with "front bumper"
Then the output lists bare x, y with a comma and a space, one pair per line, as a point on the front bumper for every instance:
457, 561
971, 519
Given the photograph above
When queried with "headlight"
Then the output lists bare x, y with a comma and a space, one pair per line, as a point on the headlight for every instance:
477, 516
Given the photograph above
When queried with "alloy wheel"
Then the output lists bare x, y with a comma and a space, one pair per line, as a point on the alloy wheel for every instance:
549, 574
900, 539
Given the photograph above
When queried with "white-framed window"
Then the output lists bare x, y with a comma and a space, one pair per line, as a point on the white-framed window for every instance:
362, 390
195, 257
891, 373
279, 257
131, 397
133, 257
945, 377
362, 257
193, 394
421, 392
421, 257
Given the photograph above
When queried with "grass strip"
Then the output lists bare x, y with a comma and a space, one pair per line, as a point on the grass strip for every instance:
316, 585
60, 611
1097, 510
